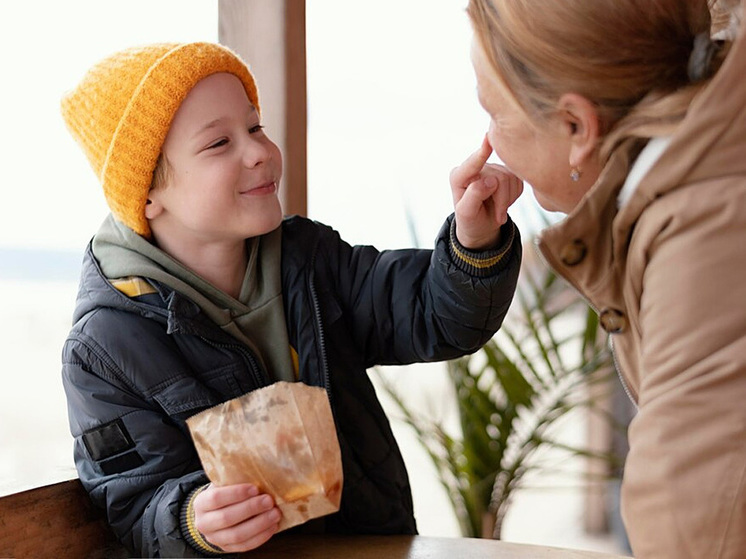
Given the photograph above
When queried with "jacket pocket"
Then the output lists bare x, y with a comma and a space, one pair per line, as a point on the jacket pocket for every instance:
185, 396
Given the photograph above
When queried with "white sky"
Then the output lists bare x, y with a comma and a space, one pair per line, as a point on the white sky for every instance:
392, 108
52, 199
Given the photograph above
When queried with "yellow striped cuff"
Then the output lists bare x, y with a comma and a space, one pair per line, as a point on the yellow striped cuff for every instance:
194, 536
486, 262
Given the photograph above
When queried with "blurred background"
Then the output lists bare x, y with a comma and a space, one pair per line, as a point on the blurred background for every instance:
392, 108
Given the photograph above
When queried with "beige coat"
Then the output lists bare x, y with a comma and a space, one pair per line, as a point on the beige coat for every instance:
667, 273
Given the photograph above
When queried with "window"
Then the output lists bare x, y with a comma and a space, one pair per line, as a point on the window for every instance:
392, 109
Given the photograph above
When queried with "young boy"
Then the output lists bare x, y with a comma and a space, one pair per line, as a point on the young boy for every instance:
195, 290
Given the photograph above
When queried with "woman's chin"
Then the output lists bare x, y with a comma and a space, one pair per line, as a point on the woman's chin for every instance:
549, 204
545, 203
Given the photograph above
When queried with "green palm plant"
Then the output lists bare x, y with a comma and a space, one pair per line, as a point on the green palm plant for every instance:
510, 394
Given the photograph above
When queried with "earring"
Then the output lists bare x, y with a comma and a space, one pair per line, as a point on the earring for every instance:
575, 174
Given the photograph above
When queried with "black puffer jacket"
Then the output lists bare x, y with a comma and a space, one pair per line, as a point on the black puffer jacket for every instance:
135, 368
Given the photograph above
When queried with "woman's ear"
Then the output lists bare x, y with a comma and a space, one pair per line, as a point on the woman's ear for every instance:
580, 122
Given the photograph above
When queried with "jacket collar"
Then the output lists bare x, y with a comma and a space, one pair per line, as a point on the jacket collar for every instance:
166, 305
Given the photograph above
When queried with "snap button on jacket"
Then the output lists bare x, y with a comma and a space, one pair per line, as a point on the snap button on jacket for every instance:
613, 321
573, 253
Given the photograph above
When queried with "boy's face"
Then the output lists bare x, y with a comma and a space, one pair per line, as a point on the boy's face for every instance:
223, 171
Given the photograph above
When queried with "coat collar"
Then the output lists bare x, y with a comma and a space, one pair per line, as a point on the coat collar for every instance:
708, 143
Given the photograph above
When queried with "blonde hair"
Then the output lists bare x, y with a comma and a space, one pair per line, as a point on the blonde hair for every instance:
628, 57
161, 173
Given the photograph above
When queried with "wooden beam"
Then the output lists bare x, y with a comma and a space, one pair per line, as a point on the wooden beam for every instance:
271, 37
56, 520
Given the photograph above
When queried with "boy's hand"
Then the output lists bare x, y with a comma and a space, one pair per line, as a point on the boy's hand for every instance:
482, 194
235, 517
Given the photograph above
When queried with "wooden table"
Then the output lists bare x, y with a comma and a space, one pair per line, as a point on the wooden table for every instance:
298, 546
59, 520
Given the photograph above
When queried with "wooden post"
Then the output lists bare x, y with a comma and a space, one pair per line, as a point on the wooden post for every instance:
271, 37
596, 518
598, 431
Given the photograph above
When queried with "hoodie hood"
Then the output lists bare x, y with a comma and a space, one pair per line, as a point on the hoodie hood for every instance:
256, 318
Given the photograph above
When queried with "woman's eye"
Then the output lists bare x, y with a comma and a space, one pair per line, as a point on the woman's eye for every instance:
255, 129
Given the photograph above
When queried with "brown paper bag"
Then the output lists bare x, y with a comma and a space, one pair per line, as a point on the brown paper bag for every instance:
282, 439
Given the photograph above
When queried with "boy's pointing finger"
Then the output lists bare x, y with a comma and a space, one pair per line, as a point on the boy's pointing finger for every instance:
469, 169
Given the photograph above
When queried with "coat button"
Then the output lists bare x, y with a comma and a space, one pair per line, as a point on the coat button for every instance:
573, 253
613, 321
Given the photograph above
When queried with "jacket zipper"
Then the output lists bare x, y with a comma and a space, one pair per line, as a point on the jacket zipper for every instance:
319, 326
617, 367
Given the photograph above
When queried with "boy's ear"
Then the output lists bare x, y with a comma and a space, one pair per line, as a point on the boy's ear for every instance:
153, 207
581, 123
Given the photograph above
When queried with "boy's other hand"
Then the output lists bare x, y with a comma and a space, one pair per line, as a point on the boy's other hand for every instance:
482, 194
235, 518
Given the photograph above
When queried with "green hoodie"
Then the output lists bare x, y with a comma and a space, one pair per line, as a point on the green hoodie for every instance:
256, 318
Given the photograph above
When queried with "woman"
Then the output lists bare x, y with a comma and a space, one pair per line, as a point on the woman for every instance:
631, 119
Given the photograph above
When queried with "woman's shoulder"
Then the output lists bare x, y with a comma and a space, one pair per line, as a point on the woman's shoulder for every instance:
709, 204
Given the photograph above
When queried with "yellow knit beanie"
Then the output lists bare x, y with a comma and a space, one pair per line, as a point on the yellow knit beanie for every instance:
122, 109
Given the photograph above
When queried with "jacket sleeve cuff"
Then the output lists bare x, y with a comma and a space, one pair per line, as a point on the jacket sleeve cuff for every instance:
487, 262
193, 536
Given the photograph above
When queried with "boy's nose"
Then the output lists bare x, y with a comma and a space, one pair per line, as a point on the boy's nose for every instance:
254, 153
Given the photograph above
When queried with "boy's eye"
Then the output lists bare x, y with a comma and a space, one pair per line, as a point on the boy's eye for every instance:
255, 129
218, 144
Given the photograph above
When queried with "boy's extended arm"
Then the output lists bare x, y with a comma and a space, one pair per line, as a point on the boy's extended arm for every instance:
407, 306
433, 307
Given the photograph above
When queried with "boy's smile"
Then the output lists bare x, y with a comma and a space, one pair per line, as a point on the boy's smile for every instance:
223, 172
268, 188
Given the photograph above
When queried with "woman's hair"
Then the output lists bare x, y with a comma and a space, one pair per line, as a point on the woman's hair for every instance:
629, 57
